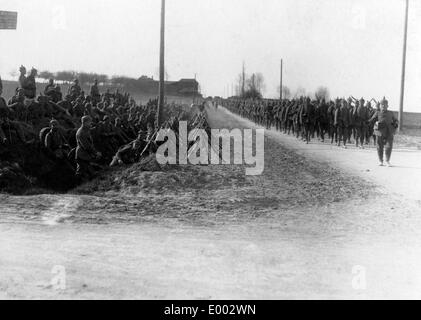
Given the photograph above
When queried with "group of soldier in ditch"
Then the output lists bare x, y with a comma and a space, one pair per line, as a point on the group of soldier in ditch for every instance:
81, 129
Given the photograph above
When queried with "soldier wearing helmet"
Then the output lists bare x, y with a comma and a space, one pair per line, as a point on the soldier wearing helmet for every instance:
385, 129
85, 151
28, 83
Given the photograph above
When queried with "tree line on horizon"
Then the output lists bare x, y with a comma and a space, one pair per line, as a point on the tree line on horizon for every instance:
85, 78
253, 86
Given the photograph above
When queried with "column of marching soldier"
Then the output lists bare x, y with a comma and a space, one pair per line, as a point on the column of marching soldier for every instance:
342, 121
80, 129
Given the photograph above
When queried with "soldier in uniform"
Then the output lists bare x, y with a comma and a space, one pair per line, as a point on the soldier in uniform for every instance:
28, 83
297, 119
55, 142
342, 123
322, 119
17, 104
3, 138
352, 110
58, 95
78, 109
131, 152
49, 88
7, 123
107, 97
268, 115
279, 114
372, 122
85, 151
307, 116
66, 104
75, 90
331, 111
95, 95
385, 129
361, 118
53, 91
287, 118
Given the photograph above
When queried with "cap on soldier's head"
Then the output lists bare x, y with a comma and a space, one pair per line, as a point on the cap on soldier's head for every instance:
385, 102
86, 119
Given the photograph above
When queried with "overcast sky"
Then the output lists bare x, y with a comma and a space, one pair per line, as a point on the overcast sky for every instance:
350, 46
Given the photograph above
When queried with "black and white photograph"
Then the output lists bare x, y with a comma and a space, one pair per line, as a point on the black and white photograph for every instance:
210, 150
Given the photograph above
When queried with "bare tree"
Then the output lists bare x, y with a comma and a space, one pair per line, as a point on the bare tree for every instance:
322, 93
253, 84
13, 73
84, 78
300, 92
167, 75
239, 85
66, 76
102, 78
46, 75
260, 83
286, 92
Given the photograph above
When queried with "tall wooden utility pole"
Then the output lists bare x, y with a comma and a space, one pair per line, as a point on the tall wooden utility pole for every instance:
195, 91
243, 84
405, 37
281, 85
161, 100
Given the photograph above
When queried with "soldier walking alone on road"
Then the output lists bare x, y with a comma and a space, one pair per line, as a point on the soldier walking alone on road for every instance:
385, 129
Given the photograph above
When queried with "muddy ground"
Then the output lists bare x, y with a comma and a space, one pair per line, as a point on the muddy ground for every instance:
297, 231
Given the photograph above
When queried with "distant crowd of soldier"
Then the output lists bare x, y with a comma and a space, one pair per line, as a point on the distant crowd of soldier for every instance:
80, 129
343, 121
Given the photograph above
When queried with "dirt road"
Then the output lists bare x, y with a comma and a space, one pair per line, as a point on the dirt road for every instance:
298, 231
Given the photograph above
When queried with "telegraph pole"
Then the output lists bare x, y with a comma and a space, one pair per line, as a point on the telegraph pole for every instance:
161, 100
243, 84
194, 96
282, 71
405, 38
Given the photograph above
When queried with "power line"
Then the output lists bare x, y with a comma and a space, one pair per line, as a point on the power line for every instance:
161, 100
